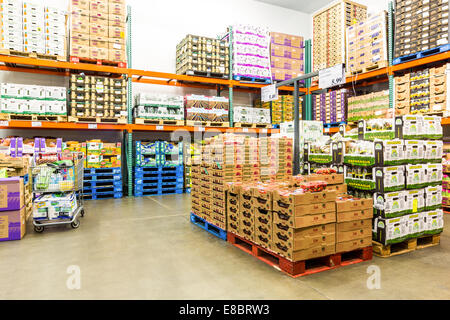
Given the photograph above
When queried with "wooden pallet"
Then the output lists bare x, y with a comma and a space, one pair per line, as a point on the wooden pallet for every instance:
300, 268
35, 55
207, 74
406, 246
207, 124
98, 62
32, 117
253, 125
159, 122
375, 66
121, 120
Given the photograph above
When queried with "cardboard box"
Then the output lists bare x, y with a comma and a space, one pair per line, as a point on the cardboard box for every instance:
11, 194
330, 179
98, 30
99, 19
80, 51
116, 32
116, 55
305, 198
118, 9
303, 221
303, 210
306, 254
295, 239
98, 6
353, 225
12, 224
353, 204
353, 244
354, 215
360, 233
79, 5
99, 42
80, 39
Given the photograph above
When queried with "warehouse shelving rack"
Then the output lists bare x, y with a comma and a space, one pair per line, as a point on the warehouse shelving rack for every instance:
63, 68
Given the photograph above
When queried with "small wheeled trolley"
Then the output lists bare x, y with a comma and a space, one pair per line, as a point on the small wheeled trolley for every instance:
57, 189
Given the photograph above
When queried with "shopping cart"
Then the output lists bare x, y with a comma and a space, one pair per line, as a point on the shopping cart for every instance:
57, 189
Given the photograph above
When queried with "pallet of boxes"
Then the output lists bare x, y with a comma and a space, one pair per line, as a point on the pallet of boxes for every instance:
97, 99
158, 109
97, 33
16, 192
33, 30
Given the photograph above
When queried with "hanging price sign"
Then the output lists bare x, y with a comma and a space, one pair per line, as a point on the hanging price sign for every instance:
269, 93
331, 77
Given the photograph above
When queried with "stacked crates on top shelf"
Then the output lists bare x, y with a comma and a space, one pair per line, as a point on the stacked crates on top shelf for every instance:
158, 168
103, 170
329, 32
330, 107
202, 56
430, 38
153, 106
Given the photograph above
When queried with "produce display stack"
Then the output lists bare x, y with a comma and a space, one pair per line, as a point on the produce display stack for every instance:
282, 108
251, 53
158, 106
192, 156
103, 168
422, 91
368, 106
431, 16
446, 178
366, 44
301, 217
98, 97
158, 168
330, 107
21, 99
404, 177
235, 158
287, 57
97, 30
329, 32
203, 108
33, 28
198, 55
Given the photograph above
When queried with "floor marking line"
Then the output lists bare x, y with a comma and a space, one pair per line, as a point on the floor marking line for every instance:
161, 204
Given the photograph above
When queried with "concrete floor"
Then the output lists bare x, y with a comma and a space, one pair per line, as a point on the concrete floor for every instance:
146, 248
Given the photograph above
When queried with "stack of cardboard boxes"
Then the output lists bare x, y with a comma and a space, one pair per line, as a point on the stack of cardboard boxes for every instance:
286, 56
368, 106
98, 30
251, 115
158, 106
431, 16
203, 56
101, 154
13, 209
100, 97
366, 44
329, 32
330, 107
203, 108
423, 91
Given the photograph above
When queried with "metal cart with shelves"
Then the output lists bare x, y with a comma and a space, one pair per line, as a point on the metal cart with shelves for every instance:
55, 177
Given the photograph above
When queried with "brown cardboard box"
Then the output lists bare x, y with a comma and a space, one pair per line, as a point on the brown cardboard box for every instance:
353, 225
303, 221
80, 51
306, 209
80, 24
264, 240
97, 30
116, 20
98, 6
364, 232
354, 244
354, 215
339, 188
353, 204
247, 233
305, 198
99, 19
116, 55
79, 39
99, 42
117, 9
295, 240
116, 32
296, 53
79, 4
306, 254
330, 179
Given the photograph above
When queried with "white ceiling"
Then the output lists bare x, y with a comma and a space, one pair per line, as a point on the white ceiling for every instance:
306, 6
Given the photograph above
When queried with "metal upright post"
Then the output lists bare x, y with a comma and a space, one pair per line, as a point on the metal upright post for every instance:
308, 99
391, 52
129, 148
296, 130
230, 77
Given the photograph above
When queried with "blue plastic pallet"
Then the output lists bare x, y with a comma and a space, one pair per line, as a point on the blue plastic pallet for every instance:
158, 192
102, 190
101, 196
101, 177
276, 126
421, 54
251, 79
205, 225
97, 184
333, 124
102, 170
145, 181
141, 186
146, 169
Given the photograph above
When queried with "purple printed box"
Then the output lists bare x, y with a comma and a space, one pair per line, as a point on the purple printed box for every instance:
12, 225
11, 194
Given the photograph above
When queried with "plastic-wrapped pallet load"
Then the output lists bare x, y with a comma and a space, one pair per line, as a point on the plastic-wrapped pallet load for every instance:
251, 53
329, 26
366, 44
12, 25
158, 106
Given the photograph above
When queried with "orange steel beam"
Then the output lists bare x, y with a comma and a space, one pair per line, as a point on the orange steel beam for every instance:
61, 64
30, 70
445, 121
143, 127
419, 62
19, 124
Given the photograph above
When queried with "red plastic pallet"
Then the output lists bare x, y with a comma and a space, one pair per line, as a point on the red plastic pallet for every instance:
98, 62
300, 268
